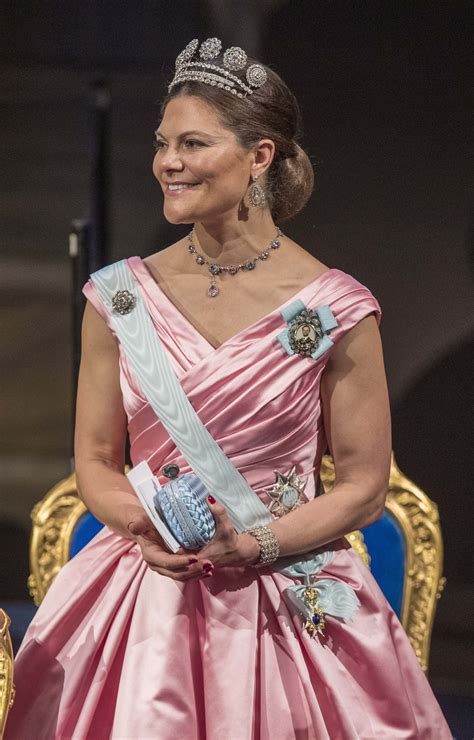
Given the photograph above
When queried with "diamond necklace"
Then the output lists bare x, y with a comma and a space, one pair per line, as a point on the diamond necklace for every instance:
216, 269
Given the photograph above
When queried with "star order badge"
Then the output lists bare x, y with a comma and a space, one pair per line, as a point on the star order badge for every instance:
287, 493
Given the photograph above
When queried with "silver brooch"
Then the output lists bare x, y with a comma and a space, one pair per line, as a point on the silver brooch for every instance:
305, 333
123, 302
287, 493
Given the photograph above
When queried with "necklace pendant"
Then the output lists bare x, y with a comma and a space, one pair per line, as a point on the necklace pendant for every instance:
216, 269
213, 290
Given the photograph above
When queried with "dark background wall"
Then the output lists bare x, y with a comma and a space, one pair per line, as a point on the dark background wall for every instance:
383, 91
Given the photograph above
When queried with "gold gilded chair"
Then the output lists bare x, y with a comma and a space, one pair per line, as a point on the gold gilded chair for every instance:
407, 535
7, 689
404, 549
55, 520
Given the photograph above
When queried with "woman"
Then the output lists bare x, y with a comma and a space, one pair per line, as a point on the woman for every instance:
133, 641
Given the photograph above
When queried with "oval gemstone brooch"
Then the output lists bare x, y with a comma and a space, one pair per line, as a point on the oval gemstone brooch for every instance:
307, 330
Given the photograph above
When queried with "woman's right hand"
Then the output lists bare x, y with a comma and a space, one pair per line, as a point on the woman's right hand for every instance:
181, 566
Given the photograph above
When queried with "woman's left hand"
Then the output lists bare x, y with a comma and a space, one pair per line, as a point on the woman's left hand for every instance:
227, 548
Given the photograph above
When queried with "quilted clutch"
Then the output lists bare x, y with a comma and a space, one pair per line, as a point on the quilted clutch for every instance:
183, 507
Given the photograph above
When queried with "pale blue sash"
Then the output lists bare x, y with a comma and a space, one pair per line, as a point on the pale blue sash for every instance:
149, 360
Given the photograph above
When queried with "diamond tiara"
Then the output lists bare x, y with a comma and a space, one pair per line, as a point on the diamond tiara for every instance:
196, 66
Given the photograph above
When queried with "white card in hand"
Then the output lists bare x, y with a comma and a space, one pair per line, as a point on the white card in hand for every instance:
146, 485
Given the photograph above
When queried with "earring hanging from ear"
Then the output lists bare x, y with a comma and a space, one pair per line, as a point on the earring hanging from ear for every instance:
257, 197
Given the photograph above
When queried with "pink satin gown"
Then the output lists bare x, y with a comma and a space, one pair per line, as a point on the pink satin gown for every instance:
119, 651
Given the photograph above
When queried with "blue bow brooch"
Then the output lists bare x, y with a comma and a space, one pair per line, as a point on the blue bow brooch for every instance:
307, 330
317, 597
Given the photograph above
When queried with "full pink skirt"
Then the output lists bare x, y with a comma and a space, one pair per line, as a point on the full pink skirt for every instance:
118, 651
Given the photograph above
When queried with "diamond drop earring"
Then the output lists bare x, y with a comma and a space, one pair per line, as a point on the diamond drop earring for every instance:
257, 197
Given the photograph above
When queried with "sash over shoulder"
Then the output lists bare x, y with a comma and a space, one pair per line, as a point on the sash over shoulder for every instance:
148, 357
135, 330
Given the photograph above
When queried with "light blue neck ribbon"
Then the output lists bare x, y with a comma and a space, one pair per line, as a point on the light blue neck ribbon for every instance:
163, 391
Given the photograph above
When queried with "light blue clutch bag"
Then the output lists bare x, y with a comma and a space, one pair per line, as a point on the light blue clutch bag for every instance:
183, 507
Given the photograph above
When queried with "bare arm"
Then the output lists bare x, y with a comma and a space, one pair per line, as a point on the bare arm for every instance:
99, 442
357, 420
99, 453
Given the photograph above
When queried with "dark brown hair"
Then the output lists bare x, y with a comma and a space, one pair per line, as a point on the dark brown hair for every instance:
270, 112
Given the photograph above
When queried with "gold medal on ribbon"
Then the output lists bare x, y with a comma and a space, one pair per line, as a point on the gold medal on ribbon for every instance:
316, 621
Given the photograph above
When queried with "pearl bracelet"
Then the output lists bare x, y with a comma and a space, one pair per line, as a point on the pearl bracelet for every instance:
269, 545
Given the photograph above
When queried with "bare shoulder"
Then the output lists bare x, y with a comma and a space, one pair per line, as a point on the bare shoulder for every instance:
169, 261
305, 263
97, 338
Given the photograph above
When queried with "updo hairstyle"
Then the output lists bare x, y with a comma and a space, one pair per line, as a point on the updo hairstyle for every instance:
270, 112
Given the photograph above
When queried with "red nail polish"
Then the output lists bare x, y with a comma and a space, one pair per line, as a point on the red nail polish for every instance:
192, 560
207, 567
211, 499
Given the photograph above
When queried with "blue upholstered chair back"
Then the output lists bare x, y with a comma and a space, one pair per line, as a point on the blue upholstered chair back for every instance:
385, 544
85, 530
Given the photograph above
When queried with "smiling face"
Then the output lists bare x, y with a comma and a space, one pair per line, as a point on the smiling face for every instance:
200, 165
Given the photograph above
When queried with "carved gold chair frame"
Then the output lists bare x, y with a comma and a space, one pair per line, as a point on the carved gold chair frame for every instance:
7, 689
56, 515
423, 585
